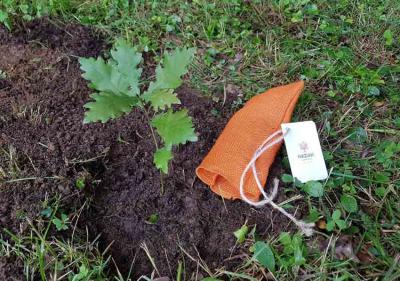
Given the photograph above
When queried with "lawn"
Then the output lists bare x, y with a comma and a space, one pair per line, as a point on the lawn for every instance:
84, 201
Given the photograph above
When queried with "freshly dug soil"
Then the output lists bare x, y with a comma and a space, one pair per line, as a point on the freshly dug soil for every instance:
41, 113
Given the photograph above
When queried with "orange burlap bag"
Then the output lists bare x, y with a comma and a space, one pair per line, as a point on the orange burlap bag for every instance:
260, 117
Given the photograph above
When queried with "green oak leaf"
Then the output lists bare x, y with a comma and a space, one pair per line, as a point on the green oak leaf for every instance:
127, 60
174, 127
168, 76
108, 106
163, 98
161, 159
103, 76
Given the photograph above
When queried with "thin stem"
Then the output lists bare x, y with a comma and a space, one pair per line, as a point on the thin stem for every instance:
155, 143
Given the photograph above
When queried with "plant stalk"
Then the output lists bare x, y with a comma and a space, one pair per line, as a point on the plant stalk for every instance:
155, 143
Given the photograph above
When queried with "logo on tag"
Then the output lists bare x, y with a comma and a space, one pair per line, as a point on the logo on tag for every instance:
304, 151
307, 154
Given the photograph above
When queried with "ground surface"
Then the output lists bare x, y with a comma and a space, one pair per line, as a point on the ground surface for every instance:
348, 53
42, 110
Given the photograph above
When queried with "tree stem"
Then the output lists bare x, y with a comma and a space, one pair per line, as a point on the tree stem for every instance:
155, 143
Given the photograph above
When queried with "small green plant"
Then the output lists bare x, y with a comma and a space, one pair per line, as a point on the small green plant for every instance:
312, 188
80, 183
294, 250
290, 251
349, 203
61, 223
335, 220
153, 219
388, 36
83, 274
118, 91
264, 255
241, 233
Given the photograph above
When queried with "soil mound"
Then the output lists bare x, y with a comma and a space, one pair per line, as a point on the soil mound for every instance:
41, 113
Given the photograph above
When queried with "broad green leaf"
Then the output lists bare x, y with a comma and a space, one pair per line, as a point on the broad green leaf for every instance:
264, 255
241, 233
349, 203
314, 189
108, 106
341, 224
103, 76
330, 225
161, 159
164, 98
336, 215
174, 127
168, 76
127, 60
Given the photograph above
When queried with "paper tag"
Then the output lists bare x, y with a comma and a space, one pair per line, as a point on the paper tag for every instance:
304, 151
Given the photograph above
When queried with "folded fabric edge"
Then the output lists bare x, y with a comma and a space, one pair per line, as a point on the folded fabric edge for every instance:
220, 185
214, 178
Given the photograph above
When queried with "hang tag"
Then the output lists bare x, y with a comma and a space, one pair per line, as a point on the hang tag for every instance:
304, 151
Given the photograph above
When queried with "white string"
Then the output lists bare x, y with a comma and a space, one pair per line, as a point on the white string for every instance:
306, 228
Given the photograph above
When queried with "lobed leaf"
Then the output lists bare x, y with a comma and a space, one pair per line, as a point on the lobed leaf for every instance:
127, 60
117, 81
108, 106
103, 76
161, 159
164, 98
174, 127
169, 75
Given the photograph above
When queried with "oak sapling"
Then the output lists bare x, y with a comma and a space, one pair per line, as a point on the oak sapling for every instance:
117, 81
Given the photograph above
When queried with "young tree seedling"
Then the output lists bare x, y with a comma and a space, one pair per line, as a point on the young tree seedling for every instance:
117, 81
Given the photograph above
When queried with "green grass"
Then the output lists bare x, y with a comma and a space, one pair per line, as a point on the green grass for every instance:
348, 53
47, 257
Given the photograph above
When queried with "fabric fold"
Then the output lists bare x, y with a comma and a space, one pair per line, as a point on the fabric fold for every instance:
260, 117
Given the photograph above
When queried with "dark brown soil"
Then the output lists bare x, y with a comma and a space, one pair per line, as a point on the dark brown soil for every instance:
41, 113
